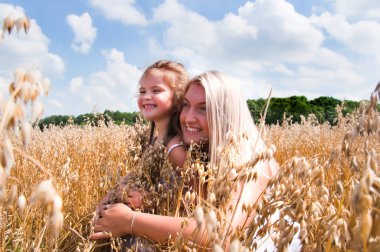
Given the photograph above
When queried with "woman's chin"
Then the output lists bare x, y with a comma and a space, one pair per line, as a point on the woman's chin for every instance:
194, 138
190, 138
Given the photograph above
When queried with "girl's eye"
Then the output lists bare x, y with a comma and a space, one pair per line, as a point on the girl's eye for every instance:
202, 108
156, 91
142, 92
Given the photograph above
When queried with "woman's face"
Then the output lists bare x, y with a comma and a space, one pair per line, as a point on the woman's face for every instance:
193, 117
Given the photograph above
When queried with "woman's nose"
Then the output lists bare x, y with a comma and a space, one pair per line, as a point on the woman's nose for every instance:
190, 116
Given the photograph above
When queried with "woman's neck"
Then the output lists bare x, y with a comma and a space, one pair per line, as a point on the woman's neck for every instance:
162, 126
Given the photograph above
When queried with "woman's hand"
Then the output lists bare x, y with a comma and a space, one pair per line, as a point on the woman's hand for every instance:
114, 220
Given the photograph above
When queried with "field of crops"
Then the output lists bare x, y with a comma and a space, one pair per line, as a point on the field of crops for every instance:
329, 183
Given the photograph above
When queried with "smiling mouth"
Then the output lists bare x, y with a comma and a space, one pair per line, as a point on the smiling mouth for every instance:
149, 106
191, 129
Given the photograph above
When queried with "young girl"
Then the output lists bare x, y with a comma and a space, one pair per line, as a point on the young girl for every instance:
160, 92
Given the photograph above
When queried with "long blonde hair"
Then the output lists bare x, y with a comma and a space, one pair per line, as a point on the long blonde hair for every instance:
227, 113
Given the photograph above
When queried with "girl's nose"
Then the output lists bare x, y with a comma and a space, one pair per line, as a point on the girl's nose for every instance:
147, 96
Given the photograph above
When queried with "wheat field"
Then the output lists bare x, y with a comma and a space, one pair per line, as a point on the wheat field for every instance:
84, 162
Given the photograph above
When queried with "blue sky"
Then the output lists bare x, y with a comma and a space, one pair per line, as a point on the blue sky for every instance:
94, 51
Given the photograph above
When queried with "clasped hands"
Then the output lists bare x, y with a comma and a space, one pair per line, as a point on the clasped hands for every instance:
115, 219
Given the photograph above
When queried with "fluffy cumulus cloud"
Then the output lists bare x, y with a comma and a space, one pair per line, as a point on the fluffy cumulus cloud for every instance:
363, 9
262, 31
361, 36
29, 51
84, 31
114, 88
268, 43
120, 10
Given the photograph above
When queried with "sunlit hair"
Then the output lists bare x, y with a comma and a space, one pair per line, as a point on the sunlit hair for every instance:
175, 76
227, 111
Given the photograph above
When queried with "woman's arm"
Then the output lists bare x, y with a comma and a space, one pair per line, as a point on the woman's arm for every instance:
119, 220
249, 194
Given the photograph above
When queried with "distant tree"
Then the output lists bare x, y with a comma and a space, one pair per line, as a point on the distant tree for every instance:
54, 120
276, 110
350, 107
299, 105
328, 104
256, 107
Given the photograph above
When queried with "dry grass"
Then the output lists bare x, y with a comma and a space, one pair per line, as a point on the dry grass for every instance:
84, 163
320, 186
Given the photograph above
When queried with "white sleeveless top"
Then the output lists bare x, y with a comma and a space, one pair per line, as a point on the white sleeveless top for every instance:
173, 146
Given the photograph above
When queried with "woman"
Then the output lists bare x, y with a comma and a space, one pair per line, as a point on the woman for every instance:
213, 110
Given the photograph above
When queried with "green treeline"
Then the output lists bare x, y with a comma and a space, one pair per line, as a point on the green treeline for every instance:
90, 118
324, 108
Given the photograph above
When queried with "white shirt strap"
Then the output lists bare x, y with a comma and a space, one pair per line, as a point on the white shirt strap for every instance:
173, 146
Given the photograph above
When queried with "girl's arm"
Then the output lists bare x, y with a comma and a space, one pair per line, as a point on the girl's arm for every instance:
177, 155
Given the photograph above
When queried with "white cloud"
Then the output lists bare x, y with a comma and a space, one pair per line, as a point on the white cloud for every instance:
55, 103
363, 9
114, 88
327, 73
29, 51
84, 31
76, 84
121, 10
262, 31
326, 58
361, 37
280, 68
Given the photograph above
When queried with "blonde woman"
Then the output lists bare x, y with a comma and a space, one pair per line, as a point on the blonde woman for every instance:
212, 110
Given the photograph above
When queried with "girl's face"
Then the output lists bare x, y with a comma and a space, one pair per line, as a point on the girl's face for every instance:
155, 98
193, 117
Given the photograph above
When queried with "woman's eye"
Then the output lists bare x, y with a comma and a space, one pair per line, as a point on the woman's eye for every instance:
202, 108
185, 105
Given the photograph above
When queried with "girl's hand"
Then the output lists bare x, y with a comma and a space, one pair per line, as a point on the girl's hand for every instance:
100, 207
135, 199
114, 220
